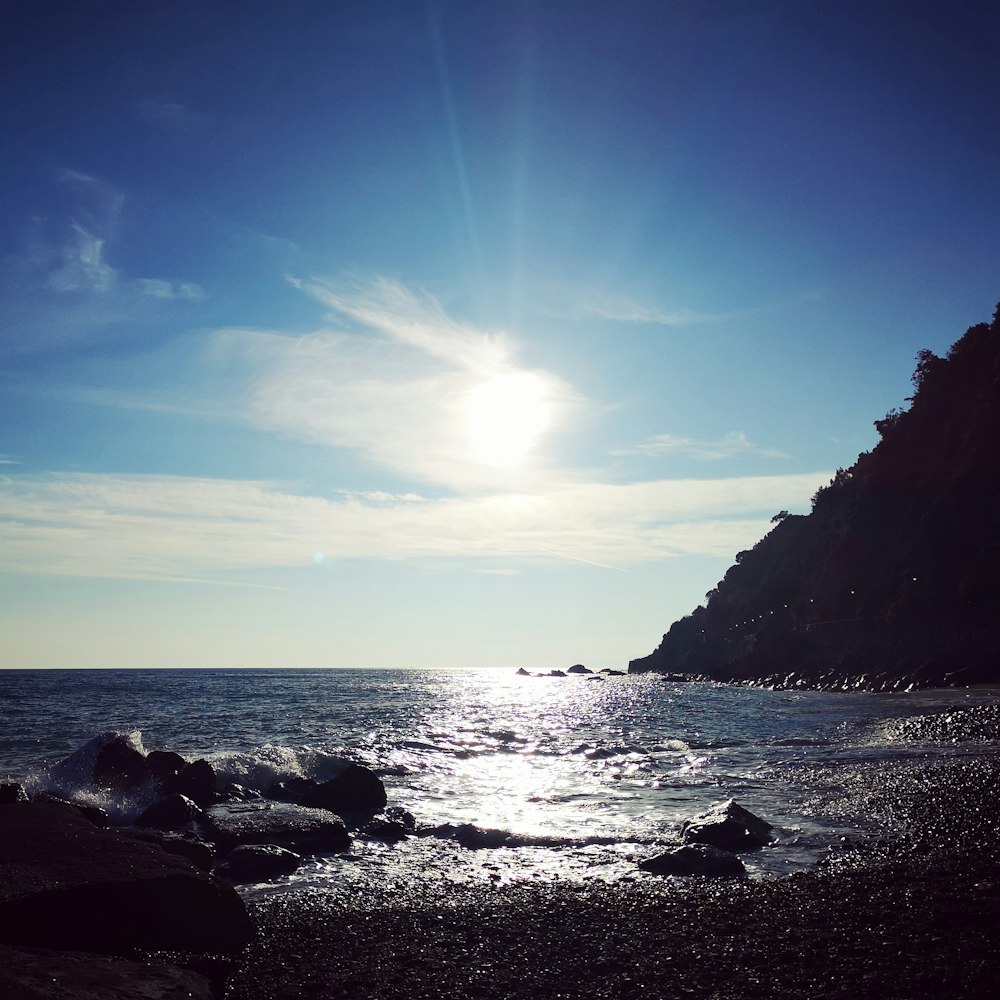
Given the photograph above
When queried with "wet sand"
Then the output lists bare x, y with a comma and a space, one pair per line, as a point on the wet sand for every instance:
914, 913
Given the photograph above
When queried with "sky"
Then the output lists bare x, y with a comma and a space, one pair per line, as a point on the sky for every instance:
440, 334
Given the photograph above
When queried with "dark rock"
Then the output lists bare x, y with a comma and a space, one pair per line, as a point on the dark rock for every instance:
41, 974
473, 837
356, 789
380, 828
259, 863
66, 884
199, 852
523, 673
402, 816
94, 815
579, 668
112, 761
613, 673
12, 792
291, 790
728, 826
163, 766
173, 812
596, 678
197, 781
694, 859
555, 673
283, 823
234, 792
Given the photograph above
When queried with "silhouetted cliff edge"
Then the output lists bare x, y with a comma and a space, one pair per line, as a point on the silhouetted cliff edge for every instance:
893, 579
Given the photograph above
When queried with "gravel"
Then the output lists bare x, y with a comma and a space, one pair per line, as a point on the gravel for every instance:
911, 914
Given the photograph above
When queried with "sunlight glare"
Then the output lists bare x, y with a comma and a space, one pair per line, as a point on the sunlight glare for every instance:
505, 415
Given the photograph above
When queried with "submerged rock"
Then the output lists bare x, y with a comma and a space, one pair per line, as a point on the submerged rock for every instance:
730, 827
695, 859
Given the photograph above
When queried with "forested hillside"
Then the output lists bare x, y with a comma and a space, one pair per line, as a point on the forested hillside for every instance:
893, 579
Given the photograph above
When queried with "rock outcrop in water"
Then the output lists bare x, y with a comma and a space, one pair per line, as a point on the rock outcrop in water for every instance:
893, 579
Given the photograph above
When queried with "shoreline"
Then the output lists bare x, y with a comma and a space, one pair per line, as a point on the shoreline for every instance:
911, 916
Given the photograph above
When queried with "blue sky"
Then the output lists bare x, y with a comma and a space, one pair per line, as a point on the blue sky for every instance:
457, 334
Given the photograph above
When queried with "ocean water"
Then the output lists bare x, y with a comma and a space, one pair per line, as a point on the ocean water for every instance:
587, 775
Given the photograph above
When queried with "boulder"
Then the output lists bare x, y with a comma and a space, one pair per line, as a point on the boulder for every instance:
291, 790
730, 827
402, 816
12, 792
120, 765
197, 781
356, 789
295, 827
474, 837
521, 672
172, 812
579, 668
199, 852
695, 859
93, 814
164, 764
258, 863
42, 974
389, 830
66, 884
112, 761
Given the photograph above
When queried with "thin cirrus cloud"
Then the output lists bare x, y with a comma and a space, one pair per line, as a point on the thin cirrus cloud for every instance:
61, 287
731, 445
390, 378
192, 529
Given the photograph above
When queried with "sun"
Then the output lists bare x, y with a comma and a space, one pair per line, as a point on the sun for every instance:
505, 415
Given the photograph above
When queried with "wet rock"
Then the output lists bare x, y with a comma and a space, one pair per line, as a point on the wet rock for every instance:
43, 974
295, 827
120, 765
173, 812
728, 826
199, 852
197, 781
163, 766
112, 761
291, 790
234, 792
473, 837
66, 884
613, 673
12, 792
695, 859
94, 815
356, 789
380, 828
579, 668
259, 863
402, 816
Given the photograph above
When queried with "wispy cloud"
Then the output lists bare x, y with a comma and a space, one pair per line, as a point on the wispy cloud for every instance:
170, 116
730, 445
61, 286
391, 380
622, 309
174, 528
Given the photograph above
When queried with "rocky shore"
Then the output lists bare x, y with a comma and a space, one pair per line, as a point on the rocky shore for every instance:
910, 914
913, 911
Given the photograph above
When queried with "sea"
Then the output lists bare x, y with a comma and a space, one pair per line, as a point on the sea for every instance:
585, 774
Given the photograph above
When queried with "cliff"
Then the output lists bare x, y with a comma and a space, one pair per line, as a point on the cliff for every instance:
893, 579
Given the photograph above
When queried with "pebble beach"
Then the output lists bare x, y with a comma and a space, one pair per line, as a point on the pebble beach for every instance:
911, 912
